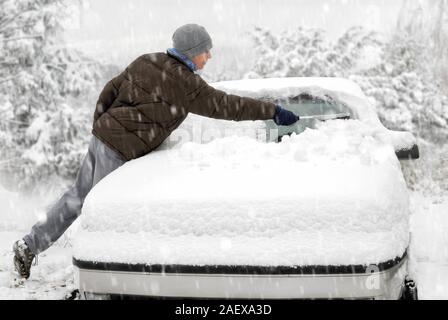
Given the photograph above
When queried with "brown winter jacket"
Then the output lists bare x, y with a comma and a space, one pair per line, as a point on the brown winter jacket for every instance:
138, 109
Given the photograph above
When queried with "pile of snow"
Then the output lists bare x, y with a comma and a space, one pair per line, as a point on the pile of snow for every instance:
332, 195
200, 129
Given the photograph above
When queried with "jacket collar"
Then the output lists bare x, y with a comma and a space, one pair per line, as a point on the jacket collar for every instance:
182, 58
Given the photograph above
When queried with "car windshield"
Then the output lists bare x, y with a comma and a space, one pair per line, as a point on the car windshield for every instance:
305, 105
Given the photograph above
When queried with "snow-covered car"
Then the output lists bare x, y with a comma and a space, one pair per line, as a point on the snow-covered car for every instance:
251, 210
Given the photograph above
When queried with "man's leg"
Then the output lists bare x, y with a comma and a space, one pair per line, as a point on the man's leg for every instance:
106, 161
62, 214
99, 161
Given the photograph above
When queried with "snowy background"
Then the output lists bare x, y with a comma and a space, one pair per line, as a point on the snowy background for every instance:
56, 55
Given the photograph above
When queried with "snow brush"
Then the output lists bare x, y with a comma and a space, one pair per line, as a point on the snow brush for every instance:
325, 117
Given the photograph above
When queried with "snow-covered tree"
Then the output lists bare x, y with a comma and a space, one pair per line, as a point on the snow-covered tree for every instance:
406, 95
306, 53
44, 132
427, 23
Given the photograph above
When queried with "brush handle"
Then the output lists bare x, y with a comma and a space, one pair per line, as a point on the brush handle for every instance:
324, 117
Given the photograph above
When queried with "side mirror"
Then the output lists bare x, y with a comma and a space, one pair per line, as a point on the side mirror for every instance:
408, 154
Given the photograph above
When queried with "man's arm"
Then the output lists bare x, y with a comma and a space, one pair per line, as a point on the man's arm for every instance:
207, 101
108, 95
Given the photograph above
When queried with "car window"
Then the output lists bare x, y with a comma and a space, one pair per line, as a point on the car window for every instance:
304, 105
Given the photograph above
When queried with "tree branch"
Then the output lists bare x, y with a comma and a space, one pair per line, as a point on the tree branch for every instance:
9, 62
15, 122
11, 160
21, 38
16, 27
56, 67
13, 18
9, 78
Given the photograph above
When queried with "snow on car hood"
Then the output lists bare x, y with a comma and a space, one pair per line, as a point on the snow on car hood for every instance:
334, 195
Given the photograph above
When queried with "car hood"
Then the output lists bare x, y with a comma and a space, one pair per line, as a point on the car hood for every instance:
331, 195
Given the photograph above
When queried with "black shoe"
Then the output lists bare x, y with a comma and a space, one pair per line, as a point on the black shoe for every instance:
23, 258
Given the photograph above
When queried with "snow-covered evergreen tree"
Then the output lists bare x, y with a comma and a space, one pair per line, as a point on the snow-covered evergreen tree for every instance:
44, 127
307, 53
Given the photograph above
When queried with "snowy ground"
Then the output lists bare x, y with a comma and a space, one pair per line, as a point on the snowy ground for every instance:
429, 245
52, 278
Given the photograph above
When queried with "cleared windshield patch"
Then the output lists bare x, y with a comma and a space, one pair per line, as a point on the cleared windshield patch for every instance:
311, 109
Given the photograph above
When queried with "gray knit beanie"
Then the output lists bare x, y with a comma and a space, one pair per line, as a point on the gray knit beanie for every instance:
191, 40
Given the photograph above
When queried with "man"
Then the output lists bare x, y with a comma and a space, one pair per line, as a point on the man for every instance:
135, 113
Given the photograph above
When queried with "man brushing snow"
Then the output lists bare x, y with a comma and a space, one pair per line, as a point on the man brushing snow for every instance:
135, 113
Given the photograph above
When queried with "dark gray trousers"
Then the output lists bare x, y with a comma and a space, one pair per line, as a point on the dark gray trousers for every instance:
99, 161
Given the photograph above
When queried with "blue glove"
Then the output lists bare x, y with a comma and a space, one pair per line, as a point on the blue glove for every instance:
283, 117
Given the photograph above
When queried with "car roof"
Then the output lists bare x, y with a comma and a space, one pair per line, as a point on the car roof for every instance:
283, 84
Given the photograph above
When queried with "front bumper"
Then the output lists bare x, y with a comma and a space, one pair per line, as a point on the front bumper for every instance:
382, 281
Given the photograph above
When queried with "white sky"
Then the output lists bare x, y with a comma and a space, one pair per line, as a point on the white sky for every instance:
117, 31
